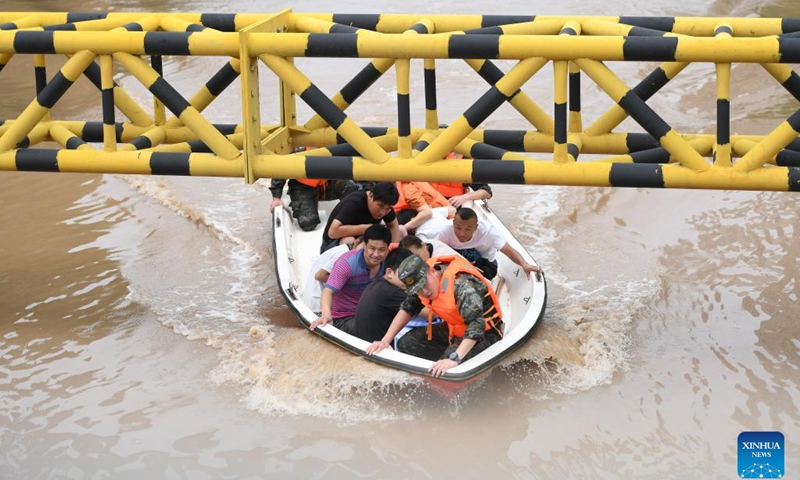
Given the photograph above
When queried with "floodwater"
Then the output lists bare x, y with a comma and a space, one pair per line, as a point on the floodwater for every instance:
142, 334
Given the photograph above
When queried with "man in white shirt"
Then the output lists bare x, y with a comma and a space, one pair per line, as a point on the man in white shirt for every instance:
478, 242
320, 270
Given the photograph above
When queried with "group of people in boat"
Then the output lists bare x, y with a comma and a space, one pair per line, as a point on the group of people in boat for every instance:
398, 254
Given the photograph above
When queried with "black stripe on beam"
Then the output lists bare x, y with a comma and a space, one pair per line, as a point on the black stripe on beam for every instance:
568, 31
34, 42
323, 105
68, 27
513, 140
788, 158
789, 25
794, 179
636, 142
343, 150
358, 20
224, 22
494, 20
8, 26
93, 132
482, 150
142, 142
195, 28
360, 83
85, 16
37, 160
339, 28
340, 168
403, 115
490, 72
40, 74
169, 96
54, 90
474, 46
498, 171
169, 163
92, 72
651, 84
793, 145
575, 91
430, 89
133, 27
74, 142
636, 175
723, 121
108, 106
560, 123
419, 28
794, 121
332, 45
788, 49
420, 146
723, 29
484, 106
644, 115
652, 156
573, 150
665, 24
24, 143
645, 32
198, 146
226, 128
221, 80
167, 43
650, 48
792, 85
485, 31
157, 63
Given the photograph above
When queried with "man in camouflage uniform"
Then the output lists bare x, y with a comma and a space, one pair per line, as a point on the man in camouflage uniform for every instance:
477, 307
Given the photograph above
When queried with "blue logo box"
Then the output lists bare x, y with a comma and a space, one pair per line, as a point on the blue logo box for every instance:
761, 455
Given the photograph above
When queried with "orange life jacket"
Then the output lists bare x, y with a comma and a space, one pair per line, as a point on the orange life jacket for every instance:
431, 196
449, 189
313, 183
444, 305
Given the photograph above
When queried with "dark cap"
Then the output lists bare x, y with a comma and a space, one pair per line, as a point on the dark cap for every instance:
413, 272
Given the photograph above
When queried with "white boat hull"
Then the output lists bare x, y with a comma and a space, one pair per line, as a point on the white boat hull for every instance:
522, 300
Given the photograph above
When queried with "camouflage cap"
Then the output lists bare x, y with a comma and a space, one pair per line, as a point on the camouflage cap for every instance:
413, 272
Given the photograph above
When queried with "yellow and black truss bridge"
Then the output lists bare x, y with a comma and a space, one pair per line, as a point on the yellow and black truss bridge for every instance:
169, 134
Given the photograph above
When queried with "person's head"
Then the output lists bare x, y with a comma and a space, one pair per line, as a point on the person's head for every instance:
381, 198
357, 243
465, 224
392, 263
417, 246
418, 278
376, 244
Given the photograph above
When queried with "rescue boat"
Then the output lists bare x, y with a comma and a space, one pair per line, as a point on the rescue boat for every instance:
522, 300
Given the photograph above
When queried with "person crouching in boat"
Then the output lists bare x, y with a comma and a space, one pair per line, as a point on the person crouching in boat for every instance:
453, 289
355, 213
478, 241
350, 276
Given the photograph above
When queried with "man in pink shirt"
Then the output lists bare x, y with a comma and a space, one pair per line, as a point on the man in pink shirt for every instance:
350, 275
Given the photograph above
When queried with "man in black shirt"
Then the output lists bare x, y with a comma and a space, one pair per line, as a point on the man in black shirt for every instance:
380, 301
355, 213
